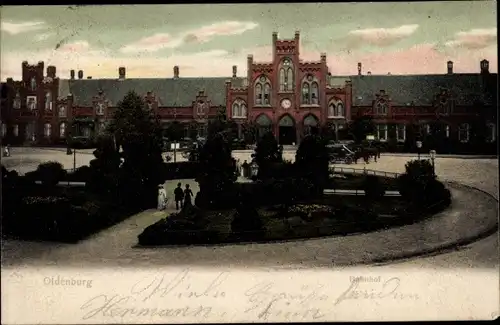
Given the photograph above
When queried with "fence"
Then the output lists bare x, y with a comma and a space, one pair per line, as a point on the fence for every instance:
364, 171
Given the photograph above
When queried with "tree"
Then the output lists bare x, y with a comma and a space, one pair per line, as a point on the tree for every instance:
138, 131
104, 169
249, 132
217, 171
312, 161
267, 152
175, 131
360, 127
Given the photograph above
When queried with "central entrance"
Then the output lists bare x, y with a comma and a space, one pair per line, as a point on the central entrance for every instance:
286, 130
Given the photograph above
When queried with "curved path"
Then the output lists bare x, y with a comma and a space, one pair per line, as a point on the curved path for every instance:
472, 212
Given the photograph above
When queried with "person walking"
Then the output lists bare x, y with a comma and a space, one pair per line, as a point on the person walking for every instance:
187, 196
162, 198
179, 196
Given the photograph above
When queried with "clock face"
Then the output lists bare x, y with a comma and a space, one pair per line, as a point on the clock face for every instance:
286, 103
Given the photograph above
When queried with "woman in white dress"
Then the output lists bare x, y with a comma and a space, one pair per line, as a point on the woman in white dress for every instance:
162, 198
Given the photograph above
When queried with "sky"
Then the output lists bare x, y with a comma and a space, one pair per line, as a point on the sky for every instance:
207, 40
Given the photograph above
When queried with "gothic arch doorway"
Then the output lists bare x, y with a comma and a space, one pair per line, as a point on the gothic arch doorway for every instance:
286, 130
311, 125
264, 125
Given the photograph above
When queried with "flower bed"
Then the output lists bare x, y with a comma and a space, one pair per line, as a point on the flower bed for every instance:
329, 216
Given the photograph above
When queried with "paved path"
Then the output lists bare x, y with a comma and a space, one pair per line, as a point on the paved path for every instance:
115, 243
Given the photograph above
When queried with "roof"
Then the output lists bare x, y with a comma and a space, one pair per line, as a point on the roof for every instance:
466, 89
179, 92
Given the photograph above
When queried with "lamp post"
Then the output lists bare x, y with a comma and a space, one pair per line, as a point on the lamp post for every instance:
254, 169
419, 145
432, 154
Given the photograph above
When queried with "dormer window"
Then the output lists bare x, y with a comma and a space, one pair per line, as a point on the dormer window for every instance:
100, 109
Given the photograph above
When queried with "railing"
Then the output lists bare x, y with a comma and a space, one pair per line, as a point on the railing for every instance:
364, 171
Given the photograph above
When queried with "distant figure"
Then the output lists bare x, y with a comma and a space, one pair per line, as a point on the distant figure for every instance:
6, 151
245, 167
179, 196
162, 198
187, 196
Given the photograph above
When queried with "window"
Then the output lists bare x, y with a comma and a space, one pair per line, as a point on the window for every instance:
62, 111
48, 101
491, 132
100, 109
336, 108
29, 132
447, 131
31, 103
239, 109
102, 126
262, 91
463, 133
62, 130
310, 91
17, 101
401, 133
381, 108
86, 131
426, 129
33, 84
4, 129
382, 132
200, 108
286, 75
47, 130
15, 130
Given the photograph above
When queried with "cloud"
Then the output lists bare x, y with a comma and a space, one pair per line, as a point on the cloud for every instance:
474, 39
204, 34
152, 43
102, 63
43, 37
381, 37
18, 28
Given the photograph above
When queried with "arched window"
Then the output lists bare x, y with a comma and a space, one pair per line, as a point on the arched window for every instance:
336, 108
305, 93
17, 101
314, 93
264, 124
33, 84
62, 111
47, 130
48, 101
310, 123
239, 109
262, 91
15, 130
286, 75
4, 129
62, 130
310, 90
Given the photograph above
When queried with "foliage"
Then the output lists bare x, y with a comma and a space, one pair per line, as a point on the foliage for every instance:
104, 168
312, 161
180, 170
50, 173
267, 152
247, 224
174, 131
217, 169
250, 131
139, 133
327, 132
420, 171
360, 127
374, 189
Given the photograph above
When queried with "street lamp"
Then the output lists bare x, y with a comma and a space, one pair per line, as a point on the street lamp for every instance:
254, 169
432, 154
419, 145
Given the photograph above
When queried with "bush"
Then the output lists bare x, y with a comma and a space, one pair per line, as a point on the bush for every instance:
267, 152
50, 173
81, 174
374, 189
312, 161
247, 224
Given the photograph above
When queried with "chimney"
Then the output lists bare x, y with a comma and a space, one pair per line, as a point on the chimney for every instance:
176, 72
72, 74
80, 74
275, 37
89, 77
297, 36
449, 65
323, 57
485, 66
235, 69
121, 73
359, 68
369, 73
51, 71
